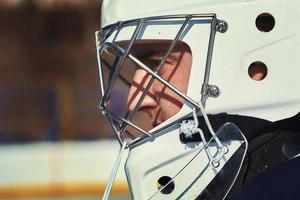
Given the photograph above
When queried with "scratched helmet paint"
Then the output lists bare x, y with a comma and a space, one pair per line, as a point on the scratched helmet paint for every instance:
227, 40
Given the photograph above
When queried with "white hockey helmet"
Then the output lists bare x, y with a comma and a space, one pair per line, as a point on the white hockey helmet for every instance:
244, 53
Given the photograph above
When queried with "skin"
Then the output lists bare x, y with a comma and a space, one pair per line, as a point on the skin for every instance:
161, 103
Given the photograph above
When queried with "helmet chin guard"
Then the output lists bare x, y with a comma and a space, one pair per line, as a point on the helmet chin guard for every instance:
204, 178
159, 165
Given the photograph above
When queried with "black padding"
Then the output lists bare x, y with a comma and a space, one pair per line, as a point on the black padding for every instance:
266, 140
281, 182
265, 152
251, 127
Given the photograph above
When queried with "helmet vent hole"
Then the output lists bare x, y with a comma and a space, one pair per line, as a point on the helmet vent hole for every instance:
265, 22
167, 184
257, 71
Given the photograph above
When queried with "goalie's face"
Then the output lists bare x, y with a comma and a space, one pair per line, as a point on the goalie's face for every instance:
145, 88
160, 102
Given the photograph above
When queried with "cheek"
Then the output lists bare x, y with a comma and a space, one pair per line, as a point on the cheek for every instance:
169, 102
170, 106
180, 80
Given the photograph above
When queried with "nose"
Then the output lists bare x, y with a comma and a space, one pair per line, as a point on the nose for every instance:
139, 83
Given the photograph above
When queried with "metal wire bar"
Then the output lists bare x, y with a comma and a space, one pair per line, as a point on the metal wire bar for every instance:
132, 137
99, 62
114, 171
113, 46
206, 15
209, 57
100, 49
118, 28
112, 124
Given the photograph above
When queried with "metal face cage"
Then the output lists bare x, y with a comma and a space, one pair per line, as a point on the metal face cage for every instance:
121, 124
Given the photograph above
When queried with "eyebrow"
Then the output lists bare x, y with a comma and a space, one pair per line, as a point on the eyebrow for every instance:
156, 56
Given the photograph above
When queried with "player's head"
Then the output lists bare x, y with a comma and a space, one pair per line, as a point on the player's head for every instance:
161, 61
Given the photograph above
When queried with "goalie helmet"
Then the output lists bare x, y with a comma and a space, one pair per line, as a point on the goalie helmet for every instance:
238, 57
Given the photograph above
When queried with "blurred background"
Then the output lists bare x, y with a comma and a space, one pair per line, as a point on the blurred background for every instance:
54, 143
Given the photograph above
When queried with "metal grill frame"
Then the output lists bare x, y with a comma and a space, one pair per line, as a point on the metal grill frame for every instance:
124, 53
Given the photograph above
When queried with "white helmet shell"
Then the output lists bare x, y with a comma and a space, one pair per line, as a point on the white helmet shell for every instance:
274, 98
